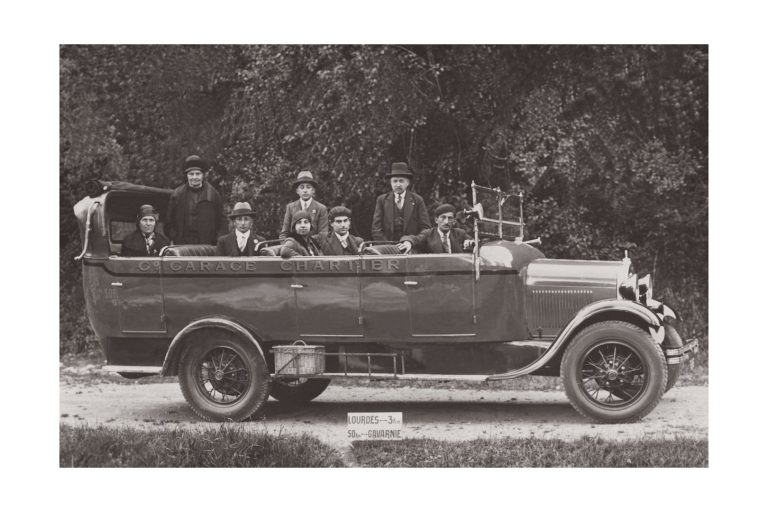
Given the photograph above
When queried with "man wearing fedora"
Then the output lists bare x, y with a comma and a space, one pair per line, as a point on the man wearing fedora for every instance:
195, 210
305, 187
242, 240
400, 212
443, 238
340, 242
145, 241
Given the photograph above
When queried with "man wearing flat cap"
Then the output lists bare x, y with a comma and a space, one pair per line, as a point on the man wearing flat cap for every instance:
400, 212
305, 187
444, 238
195, 210
145, 241
242, 240
340, 242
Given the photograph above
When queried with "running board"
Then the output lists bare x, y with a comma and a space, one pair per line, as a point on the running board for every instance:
149, 370
389, 376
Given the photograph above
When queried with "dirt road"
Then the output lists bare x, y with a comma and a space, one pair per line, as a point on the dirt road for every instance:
446, 414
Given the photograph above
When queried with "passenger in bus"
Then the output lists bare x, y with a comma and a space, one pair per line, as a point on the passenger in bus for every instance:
196, 210
241, 241
145, 241
340, 241
305, 187
400, 212
299, 241
443, 238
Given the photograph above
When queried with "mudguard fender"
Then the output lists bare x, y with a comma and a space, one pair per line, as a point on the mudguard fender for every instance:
651, 320
203, 323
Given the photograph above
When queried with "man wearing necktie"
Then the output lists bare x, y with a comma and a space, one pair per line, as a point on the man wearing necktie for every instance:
400, 212
241, 241
340, 242
444, 238
305, 187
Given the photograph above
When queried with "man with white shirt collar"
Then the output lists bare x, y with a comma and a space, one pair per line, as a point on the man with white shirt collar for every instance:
400, 212
305, 187
340, 242
444, 238
242, 240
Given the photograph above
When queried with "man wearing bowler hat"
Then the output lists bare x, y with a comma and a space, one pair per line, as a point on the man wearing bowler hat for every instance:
400, 212
195, 210
443, 238
242, 240
305, 187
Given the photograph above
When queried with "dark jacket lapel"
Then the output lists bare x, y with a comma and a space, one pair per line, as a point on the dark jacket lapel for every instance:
407, 208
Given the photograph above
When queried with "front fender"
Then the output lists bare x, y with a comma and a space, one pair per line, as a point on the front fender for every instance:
203, 323
585, 316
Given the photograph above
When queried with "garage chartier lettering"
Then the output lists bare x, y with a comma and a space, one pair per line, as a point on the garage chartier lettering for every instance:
288, 266
340, 266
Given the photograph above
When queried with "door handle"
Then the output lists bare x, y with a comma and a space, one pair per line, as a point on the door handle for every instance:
411, 283
117, 283
297, 286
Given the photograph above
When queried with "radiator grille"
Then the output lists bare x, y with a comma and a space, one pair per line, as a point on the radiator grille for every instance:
550, 309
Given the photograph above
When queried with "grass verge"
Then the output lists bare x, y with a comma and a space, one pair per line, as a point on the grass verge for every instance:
586, 452
223, 447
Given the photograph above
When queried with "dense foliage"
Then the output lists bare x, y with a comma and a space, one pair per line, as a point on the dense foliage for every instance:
608, 143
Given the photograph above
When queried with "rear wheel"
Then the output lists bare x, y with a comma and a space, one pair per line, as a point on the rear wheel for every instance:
223, 377
614, 372
298, 391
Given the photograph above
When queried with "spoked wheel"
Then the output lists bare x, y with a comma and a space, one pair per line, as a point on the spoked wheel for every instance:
298, 391
614, 372
223, 378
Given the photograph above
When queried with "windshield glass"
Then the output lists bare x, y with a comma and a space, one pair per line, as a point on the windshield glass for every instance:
501, 215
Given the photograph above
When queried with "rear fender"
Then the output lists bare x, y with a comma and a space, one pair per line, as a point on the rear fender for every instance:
205, 323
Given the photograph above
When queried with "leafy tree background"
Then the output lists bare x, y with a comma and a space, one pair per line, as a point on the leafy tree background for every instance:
608, 143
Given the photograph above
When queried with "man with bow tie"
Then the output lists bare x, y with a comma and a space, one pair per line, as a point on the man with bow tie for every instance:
444, 238
400, 212
242, 240
340, 242
145, 241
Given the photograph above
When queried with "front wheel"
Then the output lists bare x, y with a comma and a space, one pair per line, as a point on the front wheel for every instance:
298, 391
223, 377
614, 372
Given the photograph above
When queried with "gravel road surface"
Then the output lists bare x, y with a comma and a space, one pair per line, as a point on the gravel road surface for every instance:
446, 414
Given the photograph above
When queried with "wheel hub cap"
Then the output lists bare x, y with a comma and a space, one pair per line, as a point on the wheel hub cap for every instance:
218, 375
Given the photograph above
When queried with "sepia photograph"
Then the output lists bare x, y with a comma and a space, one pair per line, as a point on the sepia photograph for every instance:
320, 256
382, 255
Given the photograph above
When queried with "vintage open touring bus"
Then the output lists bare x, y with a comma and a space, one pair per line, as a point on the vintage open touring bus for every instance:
228, 327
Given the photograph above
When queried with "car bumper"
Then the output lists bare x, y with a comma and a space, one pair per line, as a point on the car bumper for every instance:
679, 355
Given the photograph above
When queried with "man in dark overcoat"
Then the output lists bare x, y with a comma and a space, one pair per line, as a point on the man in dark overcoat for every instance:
340, 241
443, 238
241, 241
195, 210
400, 212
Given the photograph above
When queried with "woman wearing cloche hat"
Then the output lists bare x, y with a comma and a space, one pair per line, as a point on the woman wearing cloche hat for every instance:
145, 241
